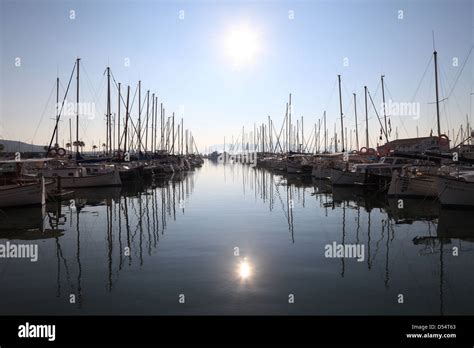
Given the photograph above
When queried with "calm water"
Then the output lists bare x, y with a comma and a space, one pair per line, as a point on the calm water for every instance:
182, 233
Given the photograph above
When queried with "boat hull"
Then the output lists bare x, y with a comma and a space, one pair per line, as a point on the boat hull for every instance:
321, 173
28, 194
413, 187
101, 180
344, 178
456, 193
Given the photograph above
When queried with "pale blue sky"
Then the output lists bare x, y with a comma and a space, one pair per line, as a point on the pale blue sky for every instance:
185, 63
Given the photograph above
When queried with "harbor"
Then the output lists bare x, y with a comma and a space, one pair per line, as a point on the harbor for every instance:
268, 169
241, 230
281, 225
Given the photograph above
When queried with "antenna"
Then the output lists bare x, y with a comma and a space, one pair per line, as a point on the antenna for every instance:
433, 36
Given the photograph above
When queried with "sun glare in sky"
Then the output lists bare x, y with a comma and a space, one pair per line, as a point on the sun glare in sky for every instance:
242, 45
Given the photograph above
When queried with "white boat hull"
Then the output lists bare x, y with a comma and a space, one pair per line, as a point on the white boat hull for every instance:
454, 192
100, 180
28, 194
422, 186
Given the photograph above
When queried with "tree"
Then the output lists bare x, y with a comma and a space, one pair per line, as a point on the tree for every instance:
80, 144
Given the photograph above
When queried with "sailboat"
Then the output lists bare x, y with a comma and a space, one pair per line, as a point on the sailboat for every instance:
457, 188
77, 176
420, 180
70, 174
415, 181
18, 191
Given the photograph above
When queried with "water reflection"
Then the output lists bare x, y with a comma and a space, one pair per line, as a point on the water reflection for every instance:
112, 246
133, 217
244, 269
436, 230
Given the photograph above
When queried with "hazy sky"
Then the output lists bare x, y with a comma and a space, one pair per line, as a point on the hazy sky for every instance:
298, 47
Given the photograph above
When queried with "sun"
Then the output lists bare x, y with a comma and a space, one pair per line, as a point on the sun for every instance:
242, 45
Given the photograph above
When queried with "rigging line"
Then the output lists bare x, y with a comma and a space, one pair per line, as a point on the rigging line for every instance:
95, 98
116, 86
432, 120
89, 82
42, 114
61, 110
360, 107
348, 95
385, 131
446, 106
279, 135
133, 100
331, 94
348, 105
130, 117
377, 89
422, 78
281, 200
460, 72
95, 95
399, 116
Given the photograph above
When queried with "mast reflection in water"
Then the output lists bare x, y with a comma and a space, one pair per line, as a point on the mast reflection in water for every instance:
135, 249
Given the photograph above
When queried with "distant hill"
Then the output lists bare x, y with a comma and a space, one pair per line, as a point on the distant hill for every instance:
19, 146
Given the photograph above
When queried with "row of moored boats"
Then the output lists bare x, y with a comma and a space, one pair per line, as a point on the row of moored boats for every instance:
403, 175
34, 181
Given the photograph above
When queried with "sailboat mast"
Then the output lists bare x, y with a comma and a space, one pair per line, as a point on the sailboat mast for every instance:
435, 54
77, 106
319, 134
139, 117
366, 120
147, 117
286, 129
156, 123
270, 134
340, 108
357, 131
162, 114
255, 138
302, 134
70, 134
126, 120
289, 125
118, 118
325, 134
172, 148
187, 141
109, 129
57, 111
182, 138
384, 111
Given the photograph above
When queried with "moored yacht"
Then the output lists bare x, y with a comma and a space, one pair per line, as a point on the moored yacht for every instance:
72, 176
415, 181
16, 190
457, 188
368, 174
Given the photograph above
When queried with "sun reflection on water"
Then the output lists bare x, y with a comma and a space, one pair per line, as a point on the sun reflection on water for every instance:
245, 269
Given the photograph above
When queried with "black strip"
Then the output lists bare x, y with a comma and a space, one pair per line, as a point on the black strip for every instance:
289, 330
